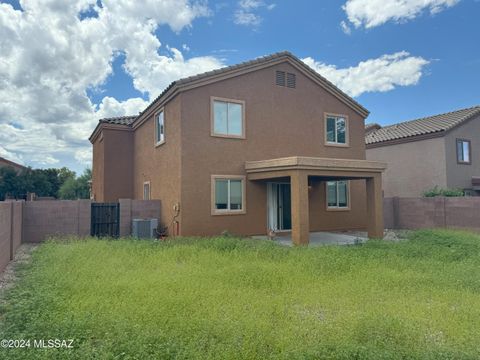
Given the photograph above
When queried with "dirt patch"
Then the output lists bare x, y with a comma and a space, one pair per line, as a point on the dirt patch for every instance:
8, 276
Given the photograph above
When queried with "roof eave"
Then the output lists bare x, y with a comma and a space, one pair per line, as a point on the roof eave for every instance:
104, 125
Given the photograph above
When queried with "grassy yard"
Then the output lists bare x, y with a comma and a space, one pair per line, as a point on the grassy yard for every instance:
226, 298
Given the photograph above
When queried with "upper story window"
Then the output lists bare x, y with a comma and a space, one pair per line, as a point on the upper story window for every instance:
160, 128
336, 130
228, 194
338, 195
228, 119
463, 151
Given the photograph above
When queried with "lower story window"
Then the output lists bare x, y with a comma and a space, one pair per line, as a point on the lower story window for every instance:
337, 194
228, 194
146, 190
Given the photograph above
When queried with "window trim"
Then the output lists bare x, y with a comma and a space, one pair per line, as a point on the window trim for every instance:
215, 211
347, 130
161, 142
337, 208
212, 117
149, 190
469, 162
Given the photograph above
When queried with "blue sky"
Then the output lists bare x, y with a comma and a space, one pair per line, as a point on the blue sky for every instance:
436, 69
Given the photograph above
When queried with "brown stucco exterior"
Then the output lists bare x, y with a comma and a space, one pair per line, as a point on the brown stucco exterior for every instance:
112, 170
417, 165
160, 165
7, 163
280, 122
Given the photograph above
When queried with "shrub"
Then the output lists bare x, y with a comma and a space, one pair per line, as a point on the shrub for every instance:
436, 191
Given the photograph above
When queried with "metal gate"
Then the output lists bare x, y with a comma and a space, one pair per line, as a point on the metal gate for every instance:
105, 220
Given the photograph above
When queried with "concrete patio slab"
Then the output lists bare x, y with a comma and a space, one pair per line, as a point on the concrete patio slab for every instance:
321, 238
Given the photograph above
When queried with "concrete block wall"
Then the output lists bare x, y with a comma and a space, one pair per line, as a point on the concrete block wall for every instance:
436, 212
42, 219
10, 230
462, 213
136, 209
35, 221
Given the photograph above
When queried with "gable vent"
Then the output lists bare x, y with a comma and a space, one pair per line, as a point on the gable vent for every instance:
280, 78
291, 80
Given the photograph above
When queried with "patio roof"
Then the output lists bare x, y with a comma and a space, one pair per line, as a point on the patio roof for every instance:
350, 168
300, 168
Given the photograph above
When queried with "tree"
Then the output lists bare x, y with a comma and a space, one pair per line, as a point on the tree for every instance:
42, 182
76, 188
8, 182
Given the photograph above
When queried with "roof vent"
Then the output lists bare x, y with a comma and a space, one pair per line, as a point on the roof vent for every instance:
291, 80
280, 78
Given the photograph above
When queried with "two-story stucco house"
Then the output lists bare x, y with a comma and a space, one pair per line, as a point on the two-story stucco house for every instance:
438, 150
266, 144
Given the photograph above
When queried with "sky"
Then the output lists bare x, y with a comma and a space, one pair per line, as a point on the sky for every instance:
66, 64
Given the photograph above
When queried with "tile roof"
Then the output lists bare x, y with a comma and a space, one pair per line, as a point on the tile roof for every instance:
128, 120
119, 120
423, 126
371, 127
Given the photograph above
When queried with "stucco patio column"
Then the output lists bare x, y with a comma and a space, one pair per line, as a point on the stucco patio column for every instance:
299, 198
374, 207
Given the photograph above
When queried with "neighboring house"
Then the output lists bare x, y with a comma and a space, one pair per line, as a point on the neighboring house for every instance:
7, 163
441, 150
266, 144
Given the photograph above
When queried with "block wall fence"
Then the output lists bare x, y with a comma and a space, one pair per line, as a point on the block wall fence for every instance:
35, 221
436, 212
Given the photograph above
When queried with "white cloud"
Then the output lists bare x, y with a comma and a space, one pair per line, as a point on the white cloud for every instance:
110, 107
371, 13
380, 74
149, 69
246, 13
345, 28
84, 156
49, 58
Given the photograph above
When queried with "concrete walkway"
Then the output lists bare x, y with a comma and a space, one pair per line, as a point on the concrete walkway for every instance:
321, 238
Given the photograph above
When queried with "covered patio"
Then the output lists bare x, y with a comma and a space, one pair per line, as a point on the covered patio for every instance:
299, 169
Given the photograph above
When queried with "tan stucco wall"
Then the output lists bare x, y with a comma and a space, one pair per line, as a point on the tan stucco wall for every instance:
280, 122
460, 175
159, 164
412, 167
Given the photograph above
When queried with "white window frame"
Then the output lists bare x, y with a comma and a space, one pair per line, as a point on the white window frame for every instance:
228, 211
337, 207
147, 183
347, 130
160, 141
214, 99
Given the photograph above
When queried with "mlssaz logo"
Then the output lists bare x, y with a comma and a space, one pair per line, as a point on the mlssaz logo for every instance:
53, 344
